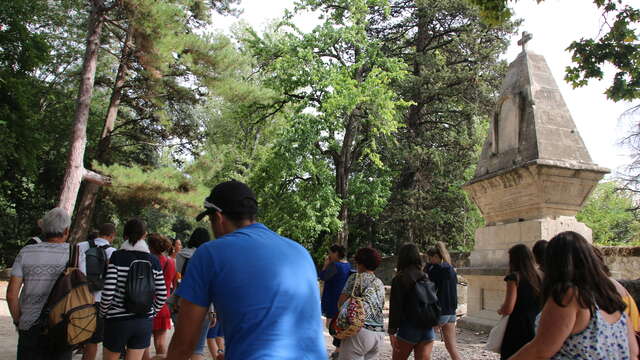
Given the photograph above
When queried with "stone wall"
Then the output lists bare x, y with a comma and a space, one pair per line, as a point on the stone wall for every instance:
624, 263
387, 269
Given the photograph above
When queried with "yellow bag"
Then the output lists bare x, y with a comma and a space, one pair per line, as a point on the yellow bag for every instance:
351, 316
69, 316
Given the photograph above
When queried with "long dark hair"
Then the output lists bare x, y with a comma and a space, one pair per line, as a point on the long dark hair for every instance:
570, 263
538, 251
409, 256
440, 250
134, 230
521, 262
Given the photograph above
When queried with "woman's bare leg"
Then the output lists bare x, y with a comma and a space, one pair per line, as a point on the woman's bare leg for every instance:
422, 351
450, 342
135, 354
160, 342
402, 350
109, 355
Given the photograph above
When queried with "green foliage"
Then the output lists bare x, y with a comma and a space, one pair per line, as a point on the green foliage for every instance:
37, 88
182, 228
134, 188
610, 213
340, 107
456, 73
618, 46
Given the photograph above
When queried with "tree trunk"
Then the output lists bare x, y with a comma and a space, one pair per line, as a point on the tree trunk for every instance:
84, 215
75, 171
343, 234
342, 190
343, 171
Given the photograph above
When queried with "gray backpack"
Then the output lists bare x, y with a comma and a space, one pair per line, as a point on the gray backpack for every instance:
97, 261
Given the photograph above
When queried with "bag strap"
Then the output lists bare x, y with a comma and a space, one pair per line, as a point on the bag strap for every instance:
74, 255
92, 243
355, 283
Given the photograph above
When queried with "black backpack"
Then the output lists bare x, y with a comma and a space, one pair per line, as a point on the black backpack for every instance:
140, 288
421, 307
96, 265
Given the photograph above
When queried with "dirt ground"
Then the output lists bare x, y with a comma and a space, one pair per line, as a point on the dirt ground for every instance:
470, 344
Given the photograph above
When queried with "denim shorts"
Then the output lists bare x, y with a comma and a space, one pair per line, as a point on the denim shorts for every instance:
131, 333
445, 319
414, 335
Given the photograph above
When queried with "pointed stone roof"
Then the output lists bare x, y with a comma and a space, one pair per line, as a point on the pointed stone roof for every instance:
532, 124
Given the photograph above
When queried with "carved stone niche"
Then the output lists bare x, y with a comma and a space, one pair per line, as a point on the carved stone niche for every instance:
506, 125
539, 189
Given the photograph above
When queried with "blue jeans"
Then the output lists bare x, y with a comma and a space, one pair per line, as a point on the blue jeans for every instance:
199, 350
445, 319
414, 335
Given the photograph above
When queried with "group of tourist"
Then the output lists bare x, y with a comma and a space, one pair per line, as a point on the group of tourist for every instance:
563, 304
405, 335
560, 298
123, 333
262, 289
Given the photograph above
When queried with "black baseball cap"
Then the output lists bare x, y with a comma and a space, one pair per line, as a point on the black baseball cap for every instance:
230, 197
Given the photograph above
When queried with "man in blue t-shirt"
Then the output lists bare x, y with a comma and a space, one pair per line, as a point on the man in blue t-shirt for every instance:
262, 285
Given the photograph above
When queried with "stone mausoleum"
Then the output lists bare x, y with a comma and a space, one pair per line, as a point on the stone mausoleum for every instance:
533, 176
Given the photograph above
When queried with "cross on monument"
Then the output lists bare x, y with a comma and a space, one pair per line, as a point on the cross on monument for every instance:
526, 36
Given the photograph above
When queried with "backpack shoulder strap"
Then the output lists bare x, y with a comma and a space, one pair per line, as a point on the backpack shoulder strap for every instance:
92, 243
74, 255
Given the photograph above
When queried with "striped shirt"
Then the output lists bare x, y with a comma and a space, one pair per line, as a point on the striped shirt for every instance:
113, 294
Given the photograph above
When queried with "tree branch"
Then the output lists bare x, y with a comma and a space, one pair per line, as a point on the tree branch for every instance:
94, 177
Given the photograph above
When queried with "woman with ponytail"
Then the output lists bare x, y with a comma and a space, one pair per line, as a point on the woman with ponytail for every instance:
444, 276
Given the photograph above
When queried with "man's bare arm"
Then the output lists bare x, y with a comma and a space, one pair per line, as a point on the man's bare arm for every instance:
188, 328
13, 295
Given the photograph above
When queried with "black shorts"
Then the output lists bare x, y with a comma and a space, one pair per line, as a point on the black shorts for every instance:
127, 334
98, 335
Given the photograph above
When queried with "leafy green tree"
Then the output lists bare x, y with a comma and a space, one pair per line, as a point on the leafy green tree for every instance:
618, 46
336, 84
455, 74
37, 88
160, 52
611, 213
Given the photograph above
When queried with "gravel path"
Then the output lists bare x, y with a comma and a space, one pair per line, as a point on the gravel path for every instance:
470, 346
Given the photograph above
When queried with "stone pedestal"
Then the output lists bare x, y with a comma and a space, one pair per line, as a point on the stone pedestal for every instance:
489, 263
533, 176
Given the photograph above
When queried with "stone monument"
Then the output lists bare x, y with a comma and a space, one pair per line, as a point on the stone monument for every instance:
533, 176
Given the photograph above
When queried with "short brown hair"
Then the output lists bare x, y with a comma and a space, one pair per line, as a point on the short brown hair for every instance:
158, 244
368, 257
107, 229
